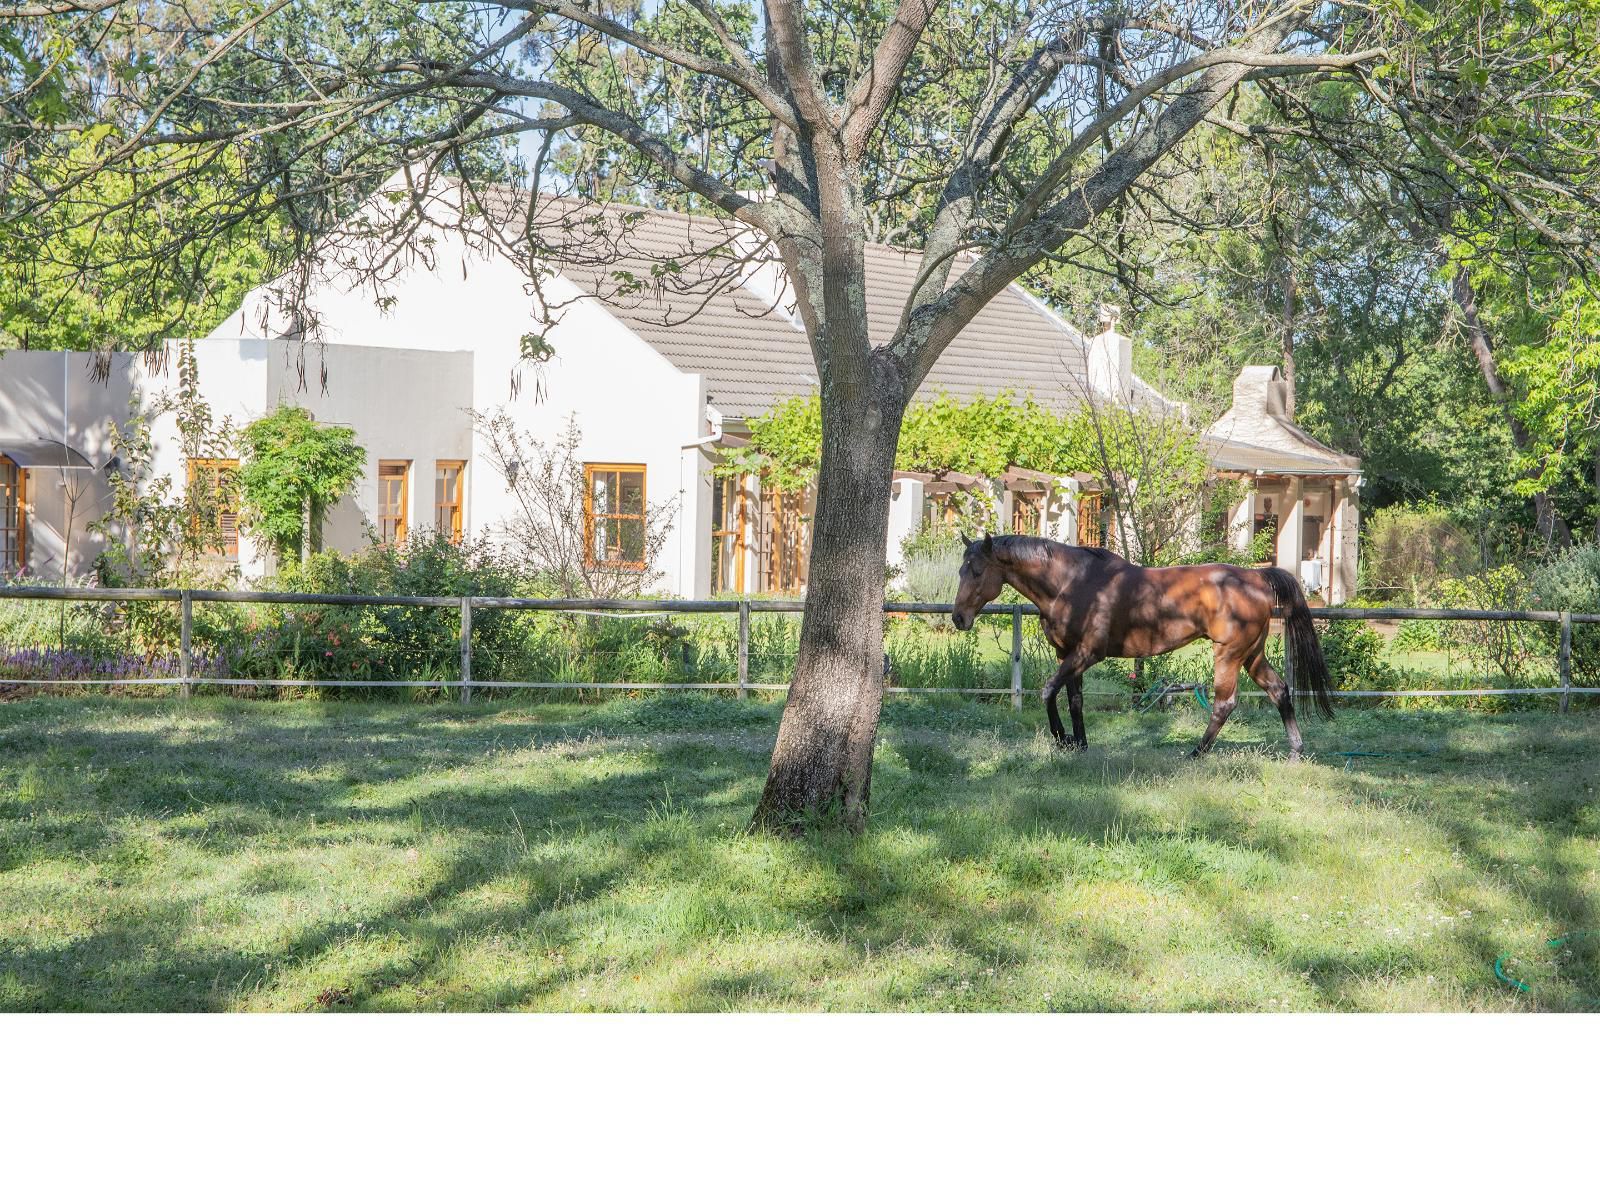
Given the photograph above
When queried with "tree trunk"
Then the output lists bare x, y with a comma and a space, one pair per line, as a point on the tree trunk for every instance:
1547, 521
822, 765
1288, 335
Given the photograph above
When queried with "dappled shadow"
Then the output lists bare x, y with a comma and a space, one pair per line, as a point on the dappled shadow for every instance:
561, 861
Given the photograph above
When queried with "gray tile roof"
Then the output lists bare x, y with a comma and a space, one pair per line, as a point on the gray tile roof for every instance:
711, 317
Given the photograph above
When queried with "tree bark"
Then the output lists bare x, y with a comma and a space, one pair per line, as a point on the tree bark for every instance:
1547, 521
821, 769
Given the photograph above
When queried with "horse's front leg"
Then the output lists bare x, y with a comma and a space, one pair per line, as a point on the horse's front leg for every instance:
1051, 711
1069, 675
1075, 706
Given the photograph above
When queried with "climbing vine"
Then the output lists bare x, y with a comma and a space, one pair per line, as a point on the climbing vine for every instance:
294, 472
982, 436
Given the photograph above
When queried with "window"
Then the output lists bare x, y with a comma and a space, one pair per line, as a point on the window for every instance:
393, 501
1027, 513
783, 539
219, 496
613, 503
1091, 520
447, 480
13, 510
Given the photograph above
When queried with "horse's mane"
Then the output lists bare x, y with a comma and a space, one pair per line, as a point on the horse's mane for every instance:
1038, 549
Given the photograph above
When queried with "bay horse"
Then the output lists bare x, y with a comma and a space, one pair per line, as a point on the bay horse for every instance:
1095, 604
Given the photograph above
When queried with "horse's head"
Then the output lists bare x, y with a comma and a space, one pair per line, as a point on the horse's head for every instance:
981, 581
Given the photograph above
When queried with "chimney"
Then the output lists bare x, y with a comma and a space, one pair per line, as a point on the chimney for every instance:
1261, 391
1111, 357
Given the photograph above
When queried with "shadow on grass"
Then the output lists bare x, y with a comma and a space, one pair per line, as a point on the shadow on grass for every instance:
597, 852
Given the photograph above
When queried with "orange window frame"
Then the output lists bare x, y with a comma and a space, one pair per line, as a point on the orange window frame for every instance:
17, 503
452, 504
394, 469
227, 518
1091, 520
590, 471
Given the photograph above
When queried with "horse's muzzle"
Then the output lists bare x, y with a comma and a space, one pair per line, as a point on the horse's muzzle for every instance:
960, 622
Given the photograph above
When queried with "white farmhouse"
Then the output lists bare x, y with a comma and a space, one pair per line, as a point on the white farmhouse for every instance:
658, 380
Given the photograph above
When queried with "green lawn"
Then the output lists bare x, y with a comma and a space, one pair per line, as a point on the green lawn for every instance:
236, 855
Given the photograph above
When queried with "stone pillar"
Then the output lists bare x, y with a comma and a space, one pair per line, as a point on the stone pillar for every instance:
905, 515
1061, 515
1291, 526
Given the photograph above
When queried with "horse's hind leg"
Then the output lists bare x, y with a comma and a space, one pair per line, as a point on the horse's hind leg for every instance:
1269, 682
1225, 682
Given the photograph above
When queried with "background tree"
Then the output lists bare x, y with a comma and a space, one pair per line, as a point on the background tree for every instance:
992, 138
294, 471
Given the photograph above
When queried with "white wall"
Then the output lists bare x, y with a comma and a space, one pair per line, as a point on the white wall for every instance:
403, 404
631, 404
64, 397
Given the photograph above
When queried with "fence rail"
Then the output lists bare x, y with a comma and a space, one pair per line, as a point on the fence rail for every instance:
467, 684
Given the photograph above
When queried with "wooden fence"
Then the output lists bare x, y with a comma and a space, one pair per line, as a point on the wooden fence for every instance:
466, 684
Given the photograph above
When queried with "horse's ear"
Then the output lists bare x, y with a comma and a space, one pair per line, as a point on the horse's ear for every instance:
970, 542
988, 543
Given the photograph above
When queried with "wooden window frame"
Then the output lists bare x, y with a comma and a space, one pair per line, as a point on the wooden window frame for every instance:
197, 465
459, 505
590, 470
1091, 516
402, 519
22, 515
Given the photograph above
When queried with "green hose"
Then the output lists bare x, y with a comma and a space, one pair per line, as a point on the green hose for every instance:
1499, 972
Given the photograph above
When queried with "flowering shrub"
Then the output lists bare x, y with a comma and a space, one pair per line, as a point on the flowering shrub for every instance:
55, 665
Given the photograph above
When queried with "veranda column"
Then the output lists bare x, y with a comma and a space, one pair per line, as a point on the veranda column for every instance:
1291, 526
1241, 521
1336, 490
1347, 571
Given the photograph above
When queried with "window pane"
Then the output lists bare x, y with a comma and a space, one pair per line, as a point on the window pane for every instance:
632, 492
632, 536
614, 551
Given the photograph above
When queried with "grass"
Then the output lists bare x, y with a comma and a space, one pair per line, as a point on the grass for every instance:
226, 855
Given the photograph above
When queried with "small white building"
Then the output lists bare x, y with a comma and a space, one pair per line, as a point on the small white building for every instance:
658, 380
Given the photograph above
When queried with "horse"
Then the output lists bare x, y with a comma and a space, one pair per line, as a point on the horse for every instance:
1095, 604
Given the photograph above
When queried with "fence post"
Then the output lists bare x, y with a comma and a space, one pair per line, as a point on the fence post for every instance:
185, 634
1565, 662
466, 649
744, 649
1016, 657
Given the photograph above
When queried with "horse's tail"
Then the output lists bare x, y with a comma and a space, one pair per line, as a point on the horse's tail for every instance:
1300, 645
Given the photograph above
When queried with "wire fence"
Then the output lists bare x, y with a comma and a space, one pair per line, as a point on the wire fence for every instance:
185, 672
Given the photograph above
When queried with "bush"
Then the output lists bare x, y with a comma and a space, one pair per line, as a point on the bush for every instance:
1570, 582
374, 643
1413, 549
1503, 646
1354, 653
931, 560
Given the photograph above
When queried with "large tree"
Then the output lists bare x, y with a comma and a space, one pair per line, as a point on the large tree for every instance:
990, 136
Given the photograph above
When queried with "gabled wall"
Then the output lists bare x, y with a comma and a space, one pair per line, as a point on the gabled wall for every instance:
632, 406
